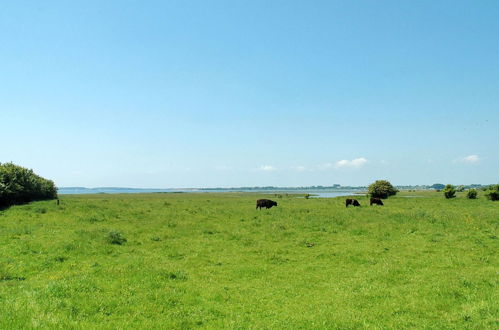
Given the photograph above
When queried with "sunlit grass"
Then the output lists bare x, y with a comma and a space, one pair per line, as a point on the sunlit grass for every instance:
212, 260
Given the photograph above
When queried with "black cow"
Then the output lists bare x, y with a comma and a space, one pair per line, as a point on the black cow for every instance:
376, 201
267, 203
351, 201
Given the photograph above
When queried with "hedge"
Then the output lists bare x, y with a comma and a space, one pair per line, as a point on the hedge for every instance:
19, 185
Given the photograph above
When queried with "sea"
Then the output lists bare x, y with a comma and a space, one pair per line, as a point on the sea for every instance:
320, 193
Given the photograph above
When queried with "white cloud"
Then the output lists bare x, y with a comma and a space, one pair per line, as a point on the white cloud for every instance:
299, 168
344, 163
355, 163
471, 159
267, 168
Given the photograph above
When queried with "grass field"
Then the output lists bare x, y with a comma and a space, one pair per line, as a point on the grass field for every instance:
213, 261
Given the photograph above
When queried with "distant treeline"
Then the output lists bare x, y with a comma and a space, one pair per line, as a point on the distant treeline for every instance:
19, 185
440, 186
340, 187
273, 188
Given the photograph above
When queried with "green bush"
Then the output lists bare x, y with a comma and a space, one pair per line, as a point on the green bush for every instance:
493, 193
449, 191
381, 189
471, 194
19, 185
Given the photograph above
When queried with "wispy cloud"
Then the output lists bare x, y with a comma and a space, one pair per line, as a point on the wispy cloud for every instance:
471, 159
299, 168
223, 168
354, 163
344, 163
267, 168
325, 166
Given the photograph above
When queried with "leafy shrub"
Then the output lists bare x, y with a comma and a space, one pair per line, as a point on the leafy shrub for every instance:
471, 194
449, 191
19, 185
115, 237
460, 188
493, 193
381, 189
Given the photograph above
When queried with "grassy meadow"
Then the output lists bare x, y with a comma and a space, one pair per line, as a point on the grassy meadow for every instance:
213, 261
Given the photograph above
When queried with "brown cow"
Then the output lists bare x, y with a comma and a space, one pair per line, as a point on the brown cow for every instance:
267, 203
377, 201
351, 201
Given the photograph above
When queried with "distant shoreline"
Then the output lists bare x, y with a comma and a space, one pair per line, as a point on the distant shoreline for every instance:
119, 190
269, 189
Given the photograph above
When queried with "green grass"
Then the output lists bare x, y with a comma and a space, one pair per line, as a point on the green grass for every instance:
213, 261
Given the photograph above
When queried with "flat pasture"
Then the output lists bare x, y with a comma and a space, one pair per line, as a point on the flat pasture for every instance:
211, 260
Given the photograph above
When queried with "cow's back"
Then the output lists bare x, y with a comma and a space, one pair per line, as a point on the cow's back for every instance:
267, 203
377, 201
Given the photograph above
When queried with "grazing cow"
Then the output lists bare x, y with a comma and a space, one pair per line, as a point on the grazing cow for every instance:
351, 201
267, 203
376, 201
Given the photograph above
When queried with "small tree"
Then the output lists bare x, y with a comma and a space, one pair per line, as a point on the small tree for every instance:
471, 194
381, 189
449, 191
493, 193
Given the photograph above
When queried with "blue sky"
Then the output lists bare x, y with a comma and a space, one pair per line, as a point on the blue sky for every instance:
246, 93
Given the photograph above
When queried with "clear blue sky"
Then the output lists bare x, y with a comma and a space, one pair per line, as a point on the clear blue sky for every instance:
245, 93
